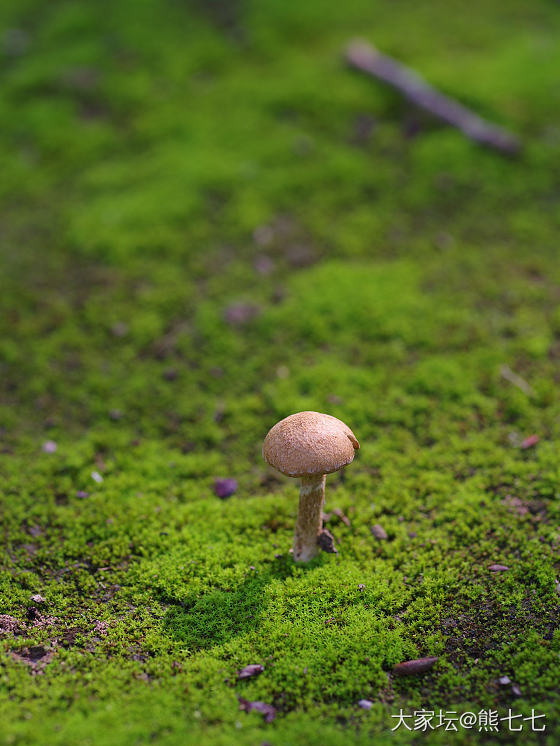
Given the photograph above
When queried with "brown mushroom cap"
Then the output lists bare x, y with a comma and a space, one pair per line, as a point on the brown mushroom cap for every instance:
309, 443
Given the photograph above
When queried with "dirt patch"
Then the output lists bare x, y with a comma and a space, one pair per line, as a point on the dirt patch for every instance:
37, 657
473, 634
9, 625
38, 620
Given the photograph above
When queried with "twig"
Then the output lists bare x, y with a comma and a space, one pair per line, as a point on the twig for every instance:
521, 383
366, 58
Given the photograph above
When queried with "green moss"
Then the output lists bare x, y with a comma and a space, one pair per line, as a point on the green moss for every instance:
163, 163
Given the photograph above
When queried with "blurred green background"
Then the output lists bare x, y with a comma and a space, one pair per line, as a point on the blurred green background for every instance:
208, 222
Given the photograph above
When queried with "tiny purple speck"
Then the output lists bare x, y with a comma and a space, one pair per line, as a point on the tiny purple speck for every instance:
49, 446
225, 487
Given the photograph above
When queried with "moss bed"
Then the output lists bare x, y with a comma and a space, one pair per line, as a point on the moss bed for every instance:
209, 222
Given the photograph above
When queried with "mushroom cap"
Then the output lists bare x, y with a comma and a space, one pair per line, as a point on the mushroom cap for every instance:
309, 443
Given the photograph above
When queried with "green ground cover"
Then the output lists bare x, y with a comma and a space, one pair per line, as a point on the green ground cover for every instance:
207, 223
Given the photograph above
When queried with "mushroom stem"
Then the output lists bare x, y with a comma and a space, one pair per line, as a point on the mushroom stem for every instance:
310, 517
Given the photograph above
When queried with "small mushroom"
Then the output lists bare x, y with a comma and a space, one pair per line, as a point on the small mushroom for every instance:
309, 445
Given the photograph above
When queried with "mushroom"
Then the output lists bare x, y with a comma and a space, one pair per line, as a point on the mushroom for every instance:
309, 445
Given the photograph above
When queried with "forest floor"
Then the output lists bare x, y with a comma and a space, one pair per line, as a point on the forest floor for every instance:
208, 222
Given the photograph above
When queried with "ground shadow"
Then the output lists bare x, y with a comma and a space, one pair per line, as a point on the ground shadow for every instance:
217, 617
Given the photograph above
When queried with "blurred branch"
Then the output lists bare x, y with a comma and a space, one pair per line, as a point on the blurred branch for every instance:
365, 57
521, 383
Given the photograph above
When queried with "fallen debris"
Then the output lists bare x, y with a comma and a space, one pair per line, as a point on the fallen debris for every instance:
498, 568
344, 518
530, 442
268, 711
418, 665
254, 669
326, 541
365, 57
507, 373
379, 532
224, 488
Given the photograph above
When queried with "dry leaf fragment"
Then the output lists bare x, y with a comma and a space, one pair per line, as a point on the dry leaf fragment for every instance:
268, 711
418, 665
251, 670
